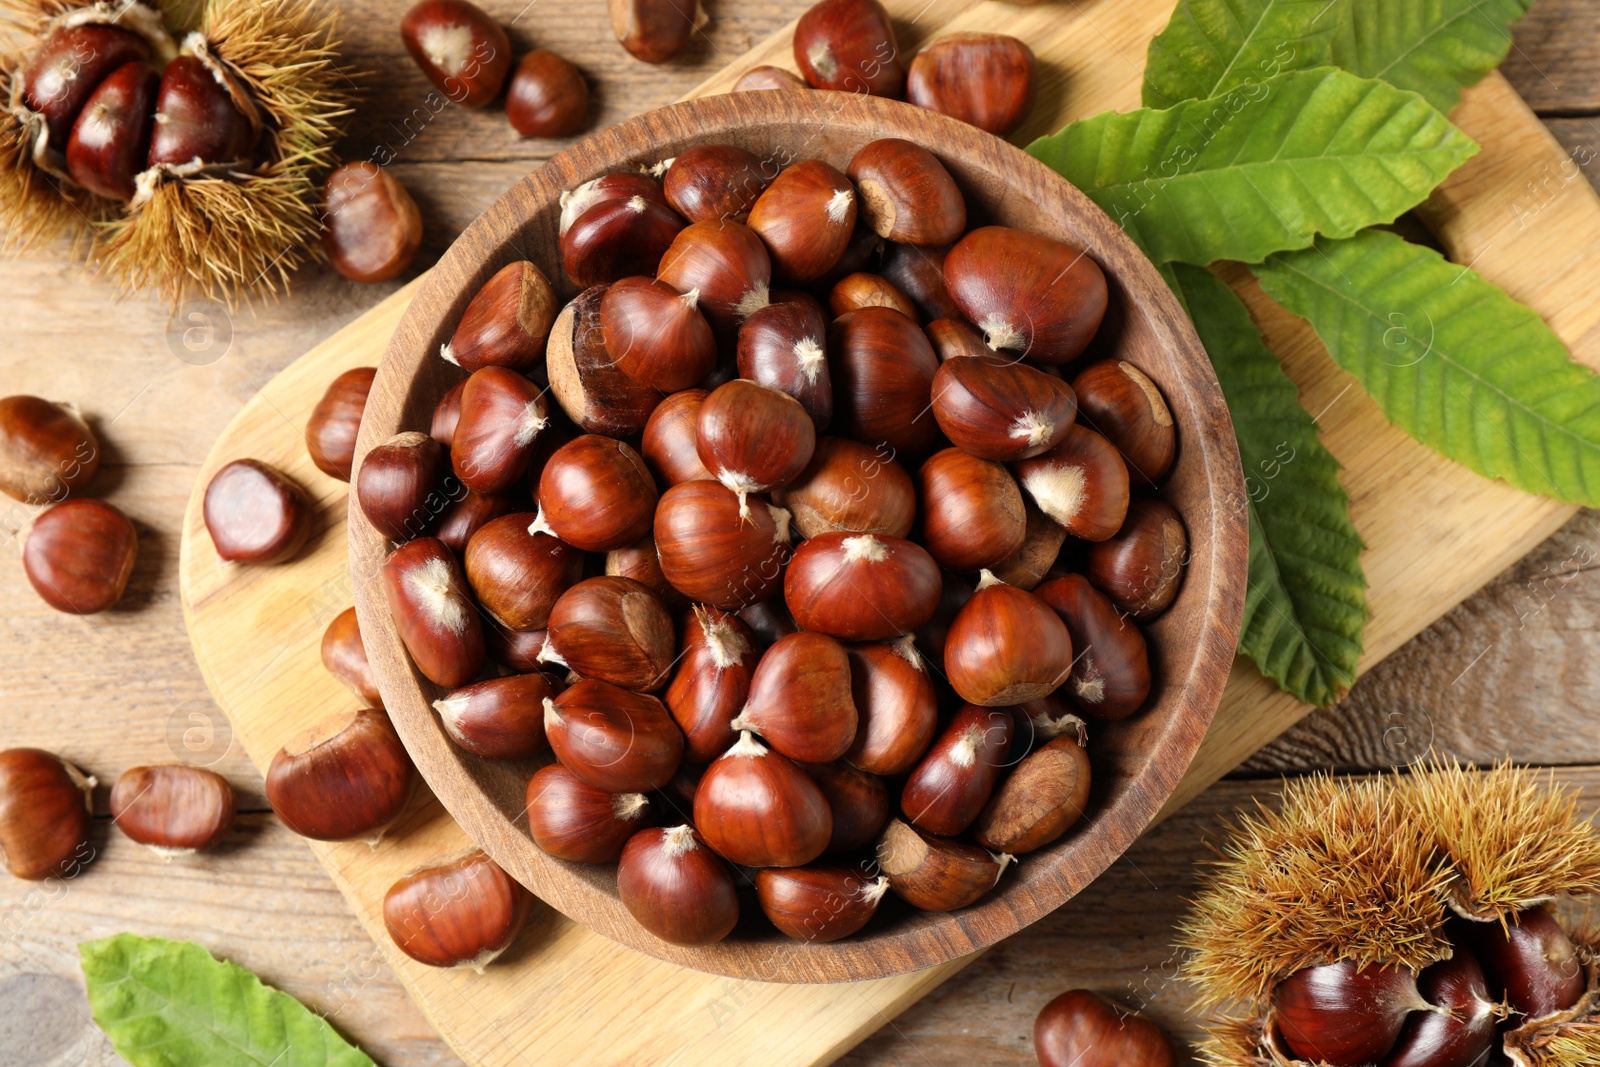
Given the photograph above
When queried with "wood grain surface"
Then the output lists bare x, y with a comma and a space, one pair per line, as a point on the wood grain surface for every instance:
1512, 669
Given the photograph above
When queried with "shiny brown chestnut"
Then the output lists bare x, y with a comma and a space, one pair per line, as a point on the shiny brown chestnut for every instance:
506, 323
1119, 401
906, 194
618, 238
1111, 675
767, 77
196, 120
548, 96
727, 264
344, 655
752, 438
805, 218
850, 488
819, 904
461, 519
502, 413
459, 912
719, 551
953, 781
783, 346
757, 809
1141, 566
372, 228
331, 430
432, 607
1531, 964
45, 805
918, 272
669, 444
1081, 483
1042, 798
173, 808
256, 514
859, 802
1344, 1014
344, 778
849, 45
972, 511
110, 142
1026, 292
463, 51
883, 369
897, 705
1081, 1029
572, 820
953, 337
640, 562
46, 449
1042, 539
997, 408
676, 887
498, 718
67, 67
400, 486
612, 629
656, 335
1461, 1034
715, 181
712, 682
800, 700
863, 290
596, 494
936, 874
613, 738
654, 30
1006, 646
618, 185
586, 382
985, 79
861, 587
79, 555
517, 575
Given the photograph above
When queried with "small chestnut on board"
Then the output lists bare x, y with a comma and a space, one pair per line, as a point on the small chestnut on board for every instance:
461, 912
256, 514
331, 430
344, 654
346, 777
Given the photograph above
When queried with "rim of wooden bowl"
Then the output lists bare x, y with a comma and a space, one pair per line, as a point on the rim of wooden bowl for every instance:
1137, 763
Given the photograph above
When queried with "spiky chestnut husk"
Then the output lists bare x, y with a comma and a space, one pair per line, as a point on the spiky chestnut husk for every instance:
227, 231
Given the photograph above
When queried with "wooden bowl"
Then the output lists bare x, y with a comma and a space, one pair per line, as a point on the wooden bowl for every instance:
1137, 763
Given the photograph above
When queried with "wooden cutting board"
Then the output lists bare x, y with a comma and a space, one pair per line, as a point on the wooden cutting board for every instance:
1435, 533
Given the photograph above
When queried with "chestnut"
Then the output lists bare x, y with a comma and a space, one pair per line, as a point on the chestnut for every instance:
1005, 646
936, 874
805, 218
897, 705
1111, 675
757, 809
753, 438
1041, 799
498, 718
596, 494
460, 520
1042, 539
985, 79
110, 142
196, 120
859, 802
517, 574
655, 335
45, 805
399, 484
953, 781
46, 449
1080, 1029
654, 30
850, 488
714, 181
335, 421
256, 514
433, 610
906, 194
800, 701
1461, 1034
849, 45
572, 820
727, 264
1141, 566
344, 655
463, 51
670, 442
79, 555
972, 511
506, 323
502, 413
612, 629
782, 346
1026, 292
999, 409
715, 549
640, 562
617, 238
548, 96
819, 904
861, 587
1531, 965
347, 777
172, 808
712, 682
863, 290
66, 68
883, 369
587, 383
458, 912
619, 185
767, 77
953, 337
373, 229
918, 272
676, 887
1081, 483
1119, 401
1344, 1014
613, 738
446, 414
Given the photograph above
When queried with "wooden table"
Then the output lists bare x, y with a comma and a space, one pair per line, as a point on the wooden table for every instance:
1511, 671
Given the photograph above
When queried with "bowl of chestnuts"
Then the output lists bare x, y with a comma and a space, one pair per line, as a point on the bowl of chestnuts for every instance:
797, 535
